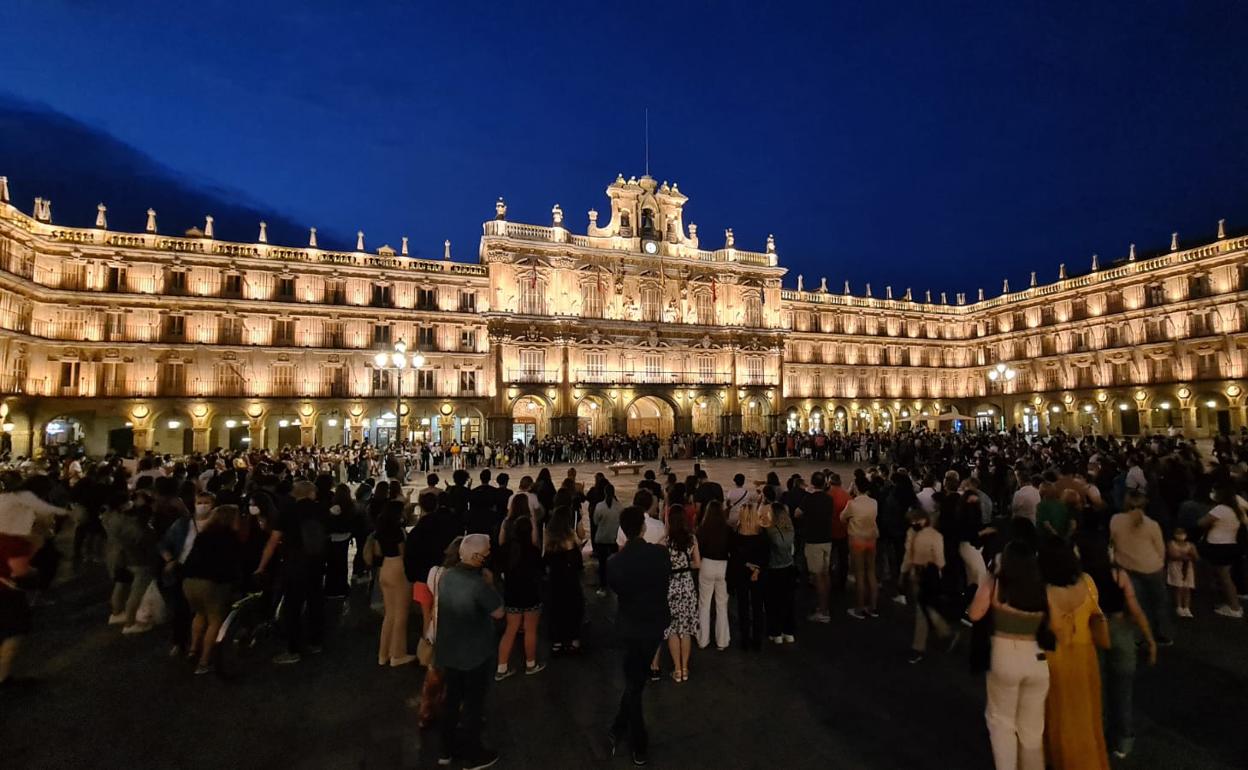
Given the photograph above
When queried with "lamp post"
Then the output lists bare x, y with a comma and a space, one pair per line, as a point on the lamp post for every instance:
397, 361
999, 375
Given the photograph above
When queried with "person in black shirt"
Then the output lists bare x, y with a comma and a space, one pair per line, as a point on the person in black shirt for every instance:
639, 575
484, 511
425, 548
457, 496
209, 575
302, 535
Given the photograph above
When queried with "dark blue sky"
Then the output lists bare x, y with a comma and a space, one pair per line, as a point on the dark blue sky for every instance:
934, 145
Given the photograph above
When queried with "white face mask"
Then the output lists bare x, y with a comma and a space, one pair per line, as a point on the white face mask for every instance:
202, 508
254, 510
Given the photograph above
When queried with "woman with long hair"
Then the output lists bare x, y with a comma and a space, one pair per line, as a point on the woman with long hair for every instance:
860, 516
1018, 677
211, 570
342, 525
396, 591
1074, 736
562, 555
1221, 547
433, 688
521, 565
712, 577
747, 564
682, 598
781, 585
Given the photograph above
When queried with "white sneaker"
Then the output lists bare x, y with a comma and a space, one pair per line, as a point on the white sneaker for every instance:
777, 639
136, 628
900, 599
118, 619
789, 639
1227, 612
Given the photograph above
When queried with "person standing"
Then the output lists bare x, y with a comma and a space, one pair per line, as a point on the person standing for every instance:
682, 598
815, 517
921, 567
464, 652
860, 516
564, 564
748, 551
606, 517
302, 536
1140, 549
712, 577
639, 575
780, 586
210, 570
396, 590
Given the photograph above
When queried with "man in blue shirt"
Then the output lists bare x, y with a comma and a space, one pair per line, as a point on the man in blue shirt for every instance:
465, 651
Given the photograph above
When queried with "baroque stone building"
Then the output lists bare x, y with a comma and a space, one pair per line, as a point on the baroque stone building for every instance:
181, 343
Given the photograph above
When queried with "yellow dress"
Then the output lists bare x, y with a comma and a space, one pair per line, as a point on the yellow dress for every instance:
1074, 738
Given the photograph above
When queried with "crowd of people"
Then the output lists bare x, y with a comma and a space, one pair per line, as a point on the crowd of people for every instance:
1057, 563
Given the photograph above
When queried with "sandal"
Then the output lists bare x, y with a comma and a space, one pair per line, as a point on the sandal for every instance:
676, 676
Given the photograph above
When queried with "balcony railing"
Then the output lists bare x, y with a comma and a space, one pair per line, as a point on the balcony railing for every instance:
543, 376
665, 377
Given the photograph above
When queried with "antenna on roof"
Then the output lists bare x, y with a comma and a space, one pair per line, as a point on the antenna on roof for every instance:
647, 141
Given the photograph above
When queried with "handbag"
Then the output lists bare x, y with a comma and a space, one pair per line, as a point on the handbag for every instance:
425, 647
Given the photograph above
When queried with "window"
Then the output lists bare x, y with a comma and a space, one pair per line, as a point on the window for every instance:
1198, 286
1207, 365
595, 366
706, 308
69, 378
286, 289
113, 378
382, 384
232, 285
383, 295
1156, 295
381, 334
591, 300
175, 328
467, 302
816, 386
532, 296
172, 380
753, 311
175, 282
425, 379
332, 334
467, 382
230, 331
336, 292
114, 326
754, 371
283, 380
426, 337
116, 279
283, 332
468, 340
706, 369
651, 304
532, 365
426, 299
654, 367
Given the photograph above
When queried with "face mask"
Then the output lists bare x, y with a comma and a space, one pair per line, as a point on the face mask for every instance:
202, 508
254, 510
916, 527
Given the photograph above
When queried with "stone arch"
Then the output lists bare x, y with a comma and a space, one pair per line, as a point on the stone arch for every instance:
651, 413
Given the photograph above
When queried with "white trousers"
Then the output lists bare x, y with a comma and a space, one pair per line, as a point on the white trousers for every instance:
1018, 683
713, 586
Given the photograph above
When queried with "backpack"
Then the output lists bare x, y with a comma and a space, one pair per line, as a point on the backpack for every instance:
312, 532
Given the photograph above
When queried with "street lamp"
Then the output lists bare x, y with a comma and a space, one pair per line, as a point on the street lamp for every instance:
397, 361
999, 375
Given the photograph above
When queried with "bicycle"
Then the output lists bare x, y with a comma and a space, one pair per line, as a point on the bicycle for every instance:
252, 620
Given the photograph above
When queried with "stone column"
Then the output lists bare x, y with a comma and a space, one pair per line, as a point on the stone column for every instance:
200, 438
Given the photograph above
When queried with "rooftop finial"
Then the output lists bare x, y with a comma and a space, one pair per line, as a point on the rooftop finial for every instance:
208, 226
1033, 279
446, 249
771, 244
403, 246
729, 240
908, 297
800, 282
981, 295
1096, 265
1174, 241
264, 232
101, 221
927, 296
823, 285
1005, 286
944, 298
1061, 272
868, 290
359, 240
888, 292
847, 291
1131, 254
500, 209
312, 237
43, 209
593, 217
151, 221
1221, 228
4, 189
556, 215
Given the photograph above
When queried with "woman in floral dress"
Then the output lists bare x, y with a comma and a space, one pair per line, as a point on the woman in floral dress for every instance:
682, 596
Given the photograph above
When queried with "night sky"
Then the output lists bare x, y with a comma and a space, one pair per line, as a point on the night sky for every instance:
934, 145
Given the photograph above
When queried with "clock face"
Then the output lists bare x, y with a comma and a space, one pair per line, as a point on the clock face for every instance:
651, 247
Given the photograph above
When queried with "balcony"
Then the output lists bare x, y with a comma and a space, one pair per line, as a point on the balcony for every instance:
530, 375
621, 377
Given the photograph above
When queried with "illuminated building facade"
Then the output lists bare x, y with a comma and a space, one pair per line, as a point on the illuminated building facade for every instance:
181, 343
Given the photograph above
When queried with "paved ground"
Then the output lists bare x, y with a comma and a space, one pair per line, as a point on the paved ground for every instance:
843, 696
